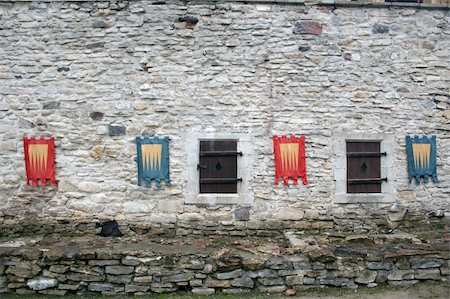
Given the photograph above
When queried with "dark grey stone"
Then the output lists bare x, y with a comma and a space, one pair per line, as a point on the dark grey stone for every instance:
243, 282
133, 288
84, 277
380, 28
379, 265
304, 48
180, 277
302, 266
100, 24
278, 263
121, 279
95, 45
242, 213
312, 28
272, 281
70, 287
308, 280
116, 130
3, 282
51, 105
96, 115
58, 268
100, 287
229, 275
188, 19
382, 277
262, 273
63, 69
130, 262
425, 264
294, 280
366, 277
103, 262
119, 270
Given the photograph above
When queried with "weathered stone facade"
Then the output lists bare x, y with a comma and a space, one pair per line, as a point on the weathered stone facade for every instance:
96, 74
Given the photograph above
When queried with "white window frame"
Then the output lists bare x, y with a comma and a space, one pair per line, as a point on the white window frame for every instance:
244, 167
387, 144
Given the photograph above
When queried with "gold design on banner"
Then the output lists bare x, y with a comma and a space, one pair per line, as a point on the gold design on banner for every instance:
151, 156
289, 155
422, 154
38, 154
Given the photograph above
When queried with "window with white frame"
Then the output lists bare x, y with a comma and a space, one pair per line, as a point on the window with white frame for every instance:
364, 168
218, 168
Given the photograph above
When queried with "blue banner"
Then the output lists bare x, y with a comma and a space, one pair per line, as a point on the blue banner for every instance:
153, 160
421, 153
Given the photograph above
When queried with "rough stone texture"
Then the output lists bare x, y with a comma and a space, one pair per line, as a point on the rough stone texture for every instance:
366, 277
379, 265
243, 282
112, 70
242, 213
229, 275
380, 28
116, 130
427, 274
313, 28
41, 283
100, 287
401, 275
118, 270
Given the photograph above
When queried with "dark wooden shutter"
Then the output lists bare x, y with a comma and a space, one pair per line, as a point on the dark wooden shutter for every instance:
364, 167
218, 166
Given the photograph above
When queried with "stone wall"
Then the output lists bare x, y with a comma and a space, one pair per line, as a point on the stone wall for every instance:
114, 267
96, 74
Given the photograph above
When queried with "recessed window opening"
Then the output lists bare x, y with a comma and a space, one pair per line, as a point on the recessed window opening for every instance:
218, 161
364, 167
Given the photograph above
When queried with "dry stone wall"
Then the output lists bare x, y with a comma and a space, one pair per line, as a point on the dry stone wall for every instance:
96, 74
204, 267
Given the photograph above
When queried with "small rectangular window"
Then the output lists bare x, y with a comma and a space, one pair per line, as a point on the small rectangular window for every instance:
364, 167
218, 166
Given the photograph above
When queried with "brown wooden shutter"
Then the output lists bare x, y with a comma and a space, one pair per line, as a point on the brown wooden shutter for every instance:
218, 166
364, 167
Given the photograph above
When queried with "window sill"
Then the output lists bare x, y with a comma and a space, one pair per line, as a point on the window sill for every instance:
363, 198
214, 199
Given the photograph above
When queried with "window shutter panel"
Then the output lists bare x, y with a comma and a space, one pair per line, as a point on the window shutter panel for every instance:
218, 166
363, 167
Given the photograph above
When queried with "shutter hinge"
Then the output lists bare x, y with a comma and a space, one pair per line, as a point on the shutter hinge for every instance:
368, 154
367, 181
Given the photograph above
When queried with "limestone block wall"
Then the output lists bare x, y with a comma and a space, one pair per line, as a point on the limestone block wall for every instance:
96, 74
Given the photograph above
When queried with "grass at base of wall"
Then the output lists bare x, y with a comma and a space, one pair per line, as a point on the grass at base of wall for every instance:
423, 290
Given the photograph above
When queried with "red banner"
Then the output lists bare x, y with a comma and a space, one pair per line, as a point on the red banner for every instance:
290, 159
39, 160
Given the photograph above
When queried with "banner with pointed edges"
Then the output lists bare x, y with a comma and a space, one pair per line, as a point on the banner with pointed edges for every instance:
290, 159
421, 153
153, 160
39, 160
